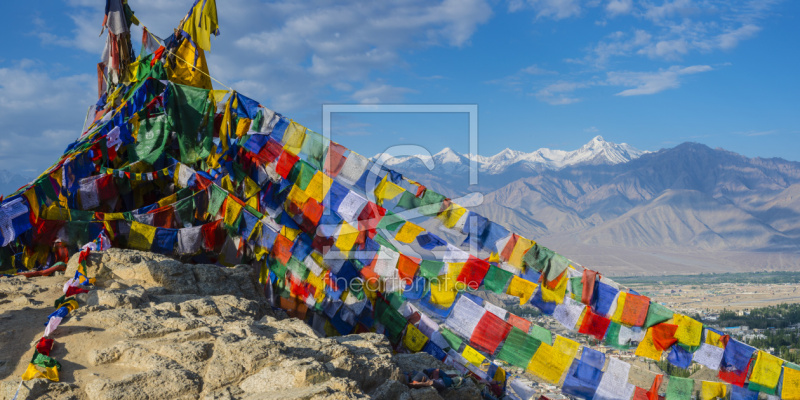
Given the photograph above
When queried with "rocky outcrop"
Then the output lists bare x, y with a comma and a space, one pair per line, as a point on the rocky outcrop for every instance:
156, 328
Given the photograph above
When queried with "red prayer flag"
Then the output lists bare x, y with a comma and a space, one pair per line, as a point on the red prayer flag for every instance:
652, 394
473, 272
282, 249
212, 237
588, 280
73, 290
664, 335
285, 163
490, 331
335, 159
594, 324
506, 253
635, 311
521, 323
407, 268
44, 346
735, 377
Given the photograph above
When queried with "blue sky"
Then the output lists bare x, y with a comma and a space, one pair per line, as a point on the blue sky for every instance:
544, 73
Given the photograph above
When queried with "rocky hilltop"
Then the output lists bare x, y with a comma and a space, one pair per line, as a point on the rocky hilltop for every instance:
155, 328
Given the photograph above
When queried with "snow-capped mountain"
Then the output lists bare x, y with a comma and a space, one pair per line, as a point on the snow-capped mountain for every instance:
448, 170
597, 151
11, 181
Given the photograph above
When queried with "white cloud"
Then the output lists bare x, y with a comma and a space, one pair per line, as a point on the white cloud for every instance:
560, 93
731, 39
40, 114
375, 94
554, 9
619, 7
643, 83
591, 129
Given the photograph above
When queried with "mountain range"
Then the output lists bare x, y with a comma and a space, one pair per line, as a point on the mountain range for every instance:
11, 181
603, 198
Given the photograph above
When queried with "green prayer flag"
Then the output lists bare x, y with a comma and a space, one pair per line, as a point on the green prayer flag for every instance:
393, 321
429, 269
184, 210
190, 110
576, 287
612, 336
518, 349
45, 361
428, 204
278, 269
151, 140
218, 196
679, 388
656, 314
315, 148
298, 268
760, 388
538, 257
542, 334
496, 279
451, 338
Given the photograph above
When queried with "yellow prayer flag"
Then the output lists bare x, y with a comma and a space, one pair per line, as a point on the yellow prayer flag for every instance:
473, 356
790, 389
555, 295
242, 127
689, 330
30, 194
251, 188
113, 217
647, 348
450, 279
252, 202
35, 371
520, 248
451, 215
290, 233
186, 71
550, 362
202, 22
714, 339
387, 190
348, 234
408, 232
232, 211
297, 196
318, 187
442, 295
293, 137
521, 288
141, 236
713, 390
414, 340
227, 184
500, 375
767, 370
171, 199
